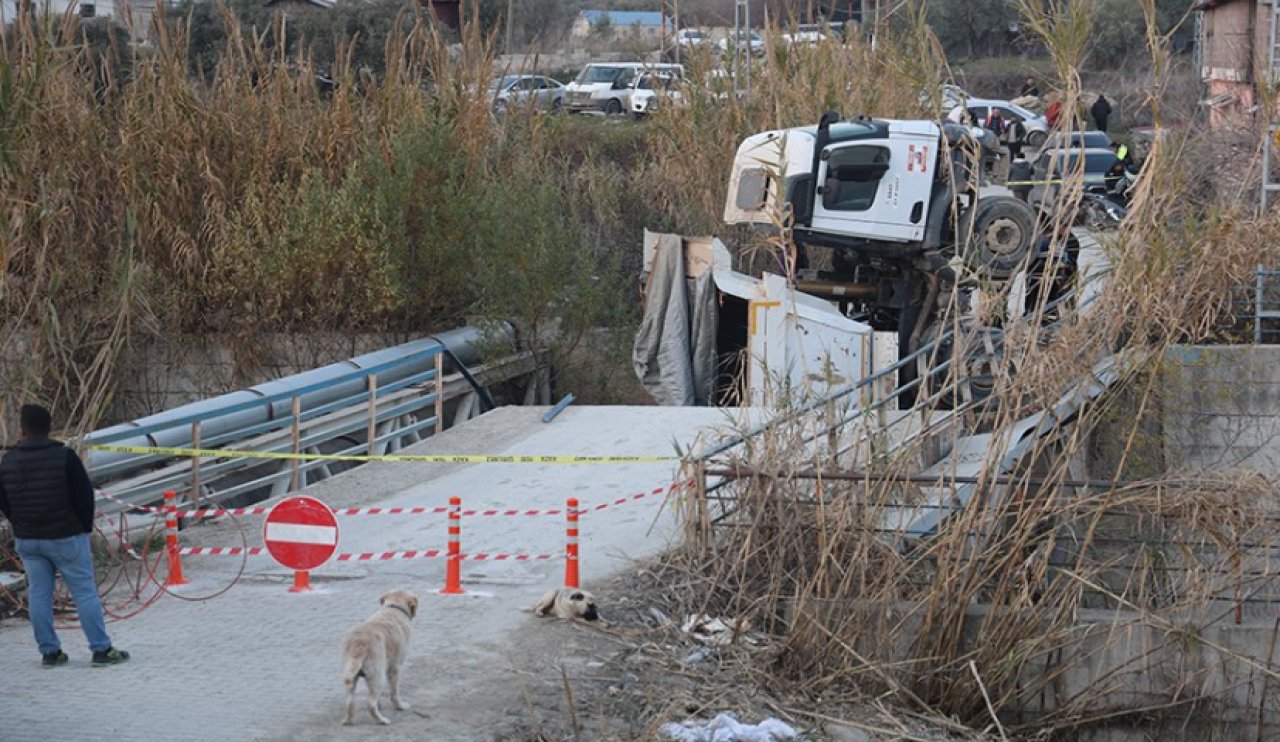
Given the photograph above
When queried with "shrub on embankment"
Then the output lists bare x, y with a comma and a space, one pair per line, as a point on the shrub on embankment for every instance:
142, 201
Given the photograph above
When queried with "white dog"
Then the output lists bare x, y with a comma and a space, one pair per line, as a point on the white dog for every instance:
568, 603
376, 649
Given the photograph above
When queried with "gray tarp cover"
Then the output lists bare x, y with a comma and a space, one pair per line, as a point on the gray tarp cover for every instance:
675, 350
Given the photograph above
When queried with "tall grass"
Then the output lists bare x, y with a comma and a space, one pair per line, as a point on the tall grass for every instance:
156, 204
144, 201
1044, 606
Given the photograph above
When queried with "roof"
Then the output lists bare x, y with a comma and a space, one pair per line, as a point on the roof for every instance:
1210, 4
317, 3
624, 17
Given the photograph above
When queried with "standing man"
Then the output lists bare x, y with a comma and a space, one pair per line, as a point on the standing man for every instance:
1101, 112
45, 493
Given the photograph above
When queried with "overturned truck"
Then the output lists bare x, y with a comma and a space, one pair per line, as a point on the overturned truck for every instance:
908, 230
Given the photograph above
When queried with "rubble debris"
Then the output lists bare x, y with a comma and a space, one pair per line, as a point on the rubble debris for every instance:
713, 631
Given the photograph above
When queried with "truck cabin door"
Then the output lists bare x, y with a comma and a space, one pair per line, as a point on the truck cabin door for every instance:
876, 190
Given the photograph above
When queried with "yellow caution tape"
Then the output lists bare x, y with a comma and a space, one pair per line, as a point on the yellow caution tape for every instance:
419, 458
1051, 182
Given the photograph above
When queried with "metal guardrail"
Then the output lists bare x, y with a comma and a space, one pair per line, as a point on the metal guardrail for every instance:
373, 410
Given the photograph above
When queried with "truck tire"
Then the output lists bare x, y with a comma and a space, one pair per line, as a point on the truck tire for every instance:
1035, 139
997, 238
613, 107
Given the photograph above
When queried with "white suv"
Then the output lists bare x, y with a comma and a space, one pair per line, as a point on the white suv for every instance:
688, 38
653, 89
607, 86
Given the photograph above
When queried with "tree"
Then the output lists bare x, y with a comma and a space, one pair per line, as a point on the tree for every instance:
602, 27
973, 28
368, 22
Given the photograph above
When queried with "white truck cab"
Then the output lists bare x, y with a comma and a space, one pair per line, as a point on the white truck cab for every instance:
606, 86
882, 190
874, 178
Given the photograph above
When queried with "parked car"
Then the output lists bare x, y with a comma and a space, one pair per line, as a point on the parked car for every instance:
1078, 140
514, 91
806, 33
606, 86
754, 42
1035, 127
1055, 168
653, 89
690, 38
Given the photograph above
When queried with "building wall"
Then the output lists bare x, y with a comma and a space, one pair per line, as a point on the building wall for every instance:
582, 29
1236, 38
1229, 42
101, 8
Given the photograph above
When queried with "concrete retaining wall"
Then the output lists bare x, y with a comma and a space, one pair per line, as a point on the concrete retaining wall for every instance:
1221, 407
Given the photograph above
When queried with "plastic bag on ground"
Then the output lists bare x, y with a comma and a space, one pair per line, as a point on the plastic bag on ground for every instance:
726, 728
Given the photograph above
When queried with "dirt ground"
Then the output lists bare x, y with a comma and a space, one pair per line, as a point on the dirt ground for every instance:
622, 680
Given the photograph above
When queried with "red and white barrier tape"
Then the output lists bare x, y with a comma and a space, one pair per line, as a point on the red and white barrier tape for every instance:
105, 496
222, 550
369, 556
388, 555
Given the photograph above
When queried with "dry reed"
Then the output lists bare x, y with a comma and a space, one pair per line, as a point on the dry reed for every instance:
1049, 602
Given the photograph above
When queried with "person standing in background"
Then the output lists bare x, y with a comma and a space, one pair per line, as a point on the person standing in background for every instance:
1054, 111
46, 494
1101, 112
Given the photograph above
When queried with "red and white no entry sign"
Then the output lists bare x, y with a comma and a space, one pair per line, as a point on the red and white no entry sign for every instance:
301, 533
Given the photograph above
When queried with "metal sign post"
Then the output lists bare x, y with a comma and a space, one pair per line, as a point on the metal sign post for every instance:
741, 47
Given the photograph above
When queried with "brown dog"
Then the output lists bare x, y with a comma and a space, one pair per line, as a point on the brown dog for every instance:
568, 603
375, 650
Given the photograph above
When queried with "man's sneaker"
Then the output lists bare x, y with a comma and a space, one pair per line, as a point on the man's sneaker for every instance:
53, 659
109, 656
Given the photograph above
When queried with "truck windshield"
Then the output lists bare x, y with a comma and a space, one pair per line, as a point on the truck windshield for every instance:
592, 73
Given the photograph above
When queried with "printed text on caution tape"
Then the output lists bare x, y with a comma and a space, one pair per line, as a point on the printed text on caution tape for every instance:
414, 458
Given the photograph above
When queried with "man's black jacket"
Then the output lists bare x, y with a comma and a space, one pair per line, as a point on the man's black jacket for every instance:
45, 491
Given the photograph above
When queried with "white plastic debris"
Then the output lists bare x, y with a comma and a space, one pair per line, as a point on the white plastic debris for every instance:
725, 728
710, 630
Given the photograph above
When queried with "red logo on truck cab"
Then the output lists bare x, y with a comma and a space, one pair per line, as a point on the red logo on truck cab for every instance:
917, 156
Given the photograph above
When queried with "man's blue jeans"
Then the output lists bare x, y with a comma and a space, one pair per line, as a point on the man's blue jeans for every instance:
71, 558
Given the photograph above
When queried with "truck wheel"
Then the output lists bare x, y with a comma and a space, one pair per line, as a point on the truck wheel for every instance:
613, 107
1035, 139
996, 240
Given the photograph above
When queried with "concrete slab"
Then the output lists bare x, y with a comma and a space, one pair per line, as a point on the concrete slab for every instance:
260, 663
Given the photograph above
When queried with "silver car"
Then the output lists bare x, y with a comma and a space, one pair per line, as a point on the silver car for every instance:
1035, 126
517, 91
